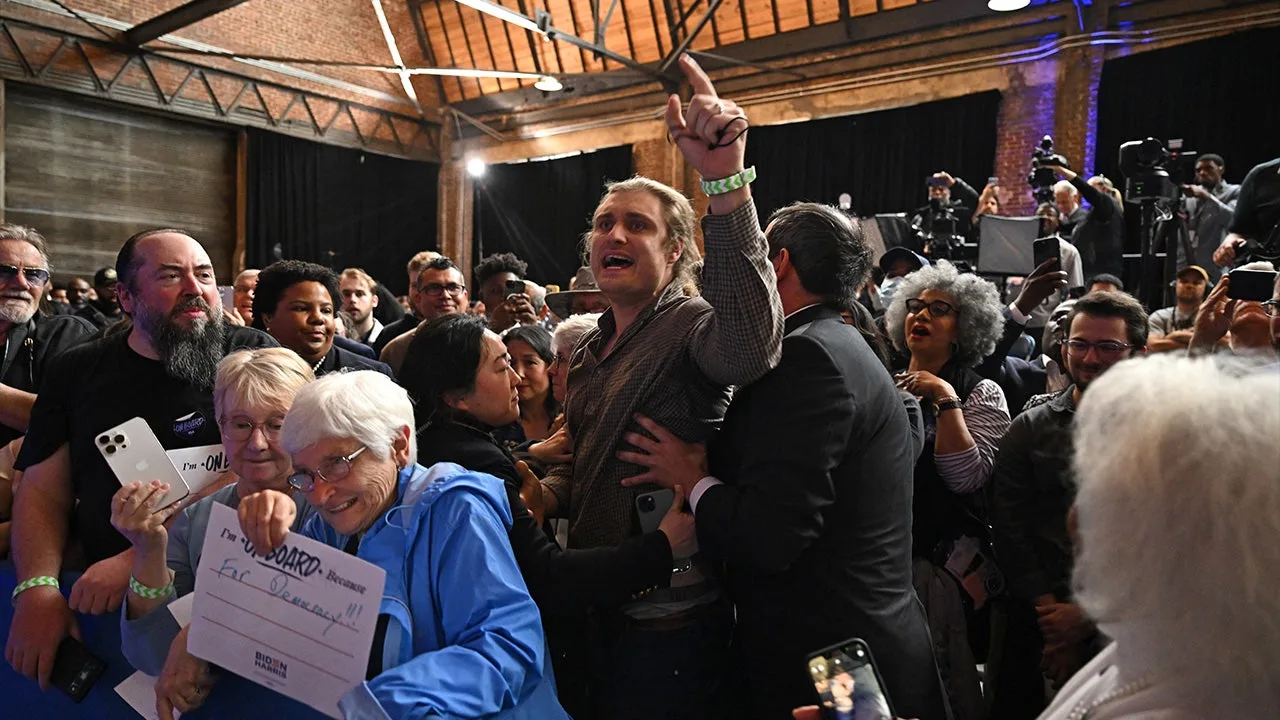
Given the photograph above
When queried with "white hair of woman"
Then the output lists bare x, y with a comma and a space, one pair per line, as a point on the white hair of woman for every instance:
569, 332
1178, 510
363, 405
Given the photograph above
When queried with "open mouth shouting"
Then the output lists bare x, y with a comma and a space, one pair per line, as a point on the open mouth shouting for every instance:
616, 262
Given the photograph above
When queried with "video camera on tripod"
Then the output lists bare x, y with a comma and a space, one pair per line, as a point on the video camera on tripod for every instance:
937, 232
1145, 165
1042, 177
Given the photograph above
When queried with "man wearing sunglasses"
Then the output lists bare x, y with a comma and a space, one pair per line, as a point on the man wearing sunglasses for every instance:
1032, 490
161, 370
30, 338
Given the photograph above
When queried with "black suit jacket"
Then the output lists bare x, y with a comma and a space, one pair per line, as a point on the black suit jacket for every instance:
814, 519
1019, 379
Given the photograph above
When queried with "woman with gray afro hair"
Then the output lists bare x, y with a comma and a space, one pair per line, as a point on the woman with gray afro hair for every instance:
948, 322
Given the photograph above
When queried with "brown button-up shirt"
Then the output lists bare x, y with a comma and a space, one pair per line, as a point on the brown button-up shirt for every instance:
675, 364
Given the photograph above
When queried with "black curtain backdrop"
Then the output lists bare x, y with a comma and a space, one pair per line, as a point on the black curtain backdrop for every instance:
1220, 96
880, 158
338, 207
539, 210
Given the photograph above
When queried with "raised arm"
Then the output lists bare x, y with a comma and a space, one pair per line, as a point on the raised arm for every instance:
740, 338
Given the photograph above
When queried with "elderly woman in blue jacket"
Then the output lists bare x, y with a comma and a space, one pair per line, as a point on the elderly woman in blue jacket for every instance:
458, 634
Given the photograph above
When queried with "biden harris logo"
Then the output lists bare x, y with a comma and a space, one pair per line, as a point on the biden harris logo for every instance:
274, 666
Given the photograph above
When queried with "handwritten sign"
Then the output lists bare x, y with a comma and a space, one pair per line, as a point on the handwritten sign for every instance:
200, 466
298, 620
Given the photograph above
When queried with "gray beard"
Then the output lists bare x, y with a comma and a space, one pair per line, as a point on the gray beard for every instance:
10, 311
191, 354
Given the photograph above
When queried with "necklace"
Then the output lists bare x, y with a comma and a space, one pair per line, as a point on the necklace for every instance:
1082, 710
315, 369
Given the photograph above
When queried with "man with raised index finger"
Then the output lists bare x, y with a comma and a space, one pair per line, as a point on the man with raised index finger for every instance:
673, 358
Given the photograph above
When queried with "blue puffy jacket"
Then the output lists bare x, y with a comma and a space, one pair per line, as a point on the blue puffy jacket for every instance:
465, 639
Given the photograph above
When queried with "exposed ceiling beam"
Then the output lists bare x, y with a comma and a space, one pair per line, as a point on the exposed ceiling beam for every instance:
394, 49
419, 32
176, 19
712, 7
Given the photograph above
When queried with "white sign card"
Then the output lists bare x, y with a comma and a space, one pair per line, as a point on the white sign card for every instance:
200, 466
298, 620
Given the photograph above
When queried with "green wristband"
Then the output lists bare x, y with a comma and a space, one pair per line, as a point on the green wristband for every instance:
150, 593
729, 184
38, 581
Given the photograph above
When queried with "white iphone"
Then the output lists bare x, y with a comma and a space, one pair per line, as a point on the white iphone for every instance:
135, 454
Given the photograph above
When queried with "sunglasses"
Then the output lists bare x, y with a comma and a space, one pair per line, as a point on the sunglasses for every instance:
34, 276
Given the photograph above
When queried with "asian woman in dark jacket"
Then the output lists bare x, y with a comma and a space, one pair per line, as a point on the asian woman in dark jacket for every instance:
463, 386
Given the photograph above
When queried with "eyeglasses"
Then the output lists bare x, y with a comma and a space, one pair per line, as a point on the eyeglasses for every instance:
241, 429
34, 276
1271, 308
331, 471
434, 289
1105, 348
937, 308
557, 361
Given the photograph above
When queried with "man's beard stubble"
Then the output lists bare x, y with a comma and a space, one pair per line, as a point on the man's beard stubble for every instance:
190, 354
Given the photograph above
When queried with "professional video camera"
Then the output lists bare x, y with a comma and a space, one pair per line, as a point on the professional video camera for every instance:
1042, 177
936, 231
1144, 164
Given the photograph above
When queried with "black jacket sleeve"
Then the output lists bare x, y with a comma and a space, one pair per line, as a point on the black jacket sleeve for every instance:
993, 366
1104, 206
562, 580
1013, 493
774, 510
964, 193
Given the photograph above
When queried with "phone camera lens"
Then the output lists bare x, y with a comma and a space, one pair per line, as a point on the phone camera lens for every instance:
111, 450
647, 504
119, 439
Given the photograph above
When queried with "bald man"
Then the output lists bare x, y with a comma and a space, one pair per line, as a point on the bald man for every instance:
161, 370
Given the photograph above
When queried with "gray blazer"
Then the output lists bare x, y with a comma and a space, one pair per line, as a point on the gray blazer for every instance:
145, 640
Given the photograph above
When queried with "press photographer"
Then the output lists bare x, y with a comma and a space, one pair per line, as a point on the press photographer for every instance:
1254, 233
944, 223
1100, 235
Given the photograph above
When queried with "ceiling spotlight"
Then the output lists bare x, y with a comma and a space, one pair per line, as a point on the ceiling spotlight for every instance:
1007, 5
548, 84
475, 167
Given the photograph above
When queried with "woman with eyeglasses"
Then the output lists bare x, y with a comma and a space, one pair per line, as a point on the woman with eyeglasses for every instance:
458, 635
252, 393
463, 386
947, 322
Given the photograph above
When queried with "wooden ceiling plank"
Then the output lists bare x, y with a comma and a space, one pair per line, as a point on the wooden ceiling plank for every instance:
466, 36
486, 22
657, 34
443, 30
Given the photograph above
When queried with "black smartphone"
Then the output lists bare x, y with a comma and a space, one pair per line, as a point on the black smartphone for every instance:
848, 683
651, 507
515, 287
1255, 285
1044, 250
75, 669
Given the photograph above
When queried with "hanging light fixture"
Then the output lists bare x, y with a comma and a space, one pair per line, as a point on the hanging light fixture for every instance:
1007, 5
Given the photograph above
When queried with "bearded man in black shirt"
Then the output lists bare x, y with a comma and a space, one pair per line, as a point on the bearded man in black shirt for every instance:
162, 370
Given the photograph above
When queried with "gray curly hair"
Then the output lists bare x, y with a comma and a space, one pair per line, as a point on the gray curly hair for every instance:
980, 319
